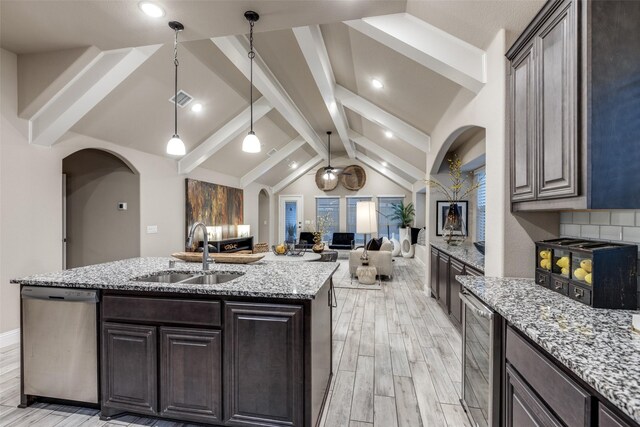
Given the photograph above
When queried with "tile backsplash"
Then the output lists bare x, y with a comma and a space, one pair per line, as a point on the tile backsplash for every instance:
615, 226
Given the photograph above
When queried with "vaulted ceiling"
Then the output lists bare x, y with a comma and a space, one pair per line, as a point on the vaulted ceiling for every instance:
137, 113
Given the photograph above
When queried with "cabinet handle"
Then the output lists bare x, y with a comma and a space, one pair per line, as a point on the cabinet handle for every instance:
558, 286
578, 293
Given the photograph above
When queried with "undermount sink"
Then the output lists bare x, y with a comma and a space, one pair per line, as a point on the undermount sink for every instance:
209, 278
165, 277
213, 279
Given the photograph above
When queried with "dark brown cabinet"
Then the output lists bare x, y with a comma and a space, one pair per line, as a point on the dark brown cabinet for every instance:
606, 418
190, 374
571, 80
523, 110
556, 57
445, 288
522, 407
264, 390
443, 281
129, 368
456, 268
434, 273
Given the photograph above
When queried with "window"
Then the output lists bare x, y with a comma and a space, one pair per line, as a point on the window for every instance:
385, 211
329, 206
351, 217
479, 176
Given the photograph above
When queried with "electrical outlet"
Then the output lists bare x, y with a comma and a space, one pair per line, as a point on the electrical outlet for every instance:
122, 206
152, 229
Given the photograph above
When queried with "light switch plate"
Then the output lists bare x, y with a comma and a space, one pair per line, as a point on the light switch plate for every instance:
152, 229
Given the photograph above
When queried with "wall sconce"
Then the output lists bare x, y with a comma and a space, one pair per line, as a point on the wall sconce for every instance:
214, 233
244, 230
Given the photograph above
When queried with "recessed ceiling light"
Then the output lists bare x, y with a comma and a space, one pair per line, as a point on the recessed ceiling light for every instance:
196, 108
293, 165
388, 134
385, 164
377, 83
151, 9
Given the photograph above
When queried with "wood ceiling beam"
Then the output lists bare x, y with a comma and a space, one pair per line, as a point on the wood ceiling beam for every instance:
384, 171
388, 156
90, 86
315, 53
235, 48
372, 112
297, 174
272, 161
429, 46
223, 136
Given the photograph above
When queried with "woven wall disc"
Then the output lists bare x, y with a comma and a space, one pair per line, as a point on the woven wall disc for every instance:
353, 177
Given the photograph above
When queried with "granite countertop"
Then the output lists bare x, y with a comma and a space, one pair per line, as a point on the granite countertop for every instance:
269, 279
595, 344
466, 253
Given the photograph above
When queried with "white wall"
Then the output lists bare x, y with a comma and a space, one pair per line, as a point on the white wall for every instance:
509, 239
376, 185
31, 197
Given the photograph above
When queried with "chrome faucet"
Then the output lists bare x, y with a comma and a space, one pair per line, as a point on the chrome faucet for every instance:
205, 255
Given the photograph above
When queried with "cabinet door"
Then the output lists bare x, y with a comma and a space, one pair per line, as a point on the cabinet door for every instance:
190, 381
522, 407
456, 269
264, 374
443, 282
434, 273
606, 418
129, 367
556, 47
523, 130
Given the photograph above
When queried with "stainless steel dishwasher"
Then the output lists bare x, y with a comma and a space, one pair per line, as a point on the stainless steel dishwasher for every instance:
60, 343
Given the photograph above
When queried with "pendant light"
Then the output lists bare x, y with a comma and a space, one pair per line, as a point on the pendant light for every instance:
251, 143
175, 146
329, 172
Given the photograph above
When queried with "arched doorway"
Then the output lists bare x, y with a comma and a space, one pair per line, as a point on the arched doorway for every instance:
263, 216
101, 220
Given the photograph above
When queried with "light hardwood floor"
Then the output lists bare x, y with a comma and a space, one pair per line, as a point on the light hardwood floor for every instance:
396, 363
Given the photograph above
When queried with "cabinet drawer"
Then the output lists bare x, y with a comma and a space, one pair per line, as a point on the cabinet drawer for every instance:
161, 310
560, 286
542, 279
566, 398
580, 294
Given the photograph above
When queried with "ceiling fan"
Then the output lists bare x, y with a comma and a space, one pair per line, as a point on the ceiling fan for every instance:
329, 172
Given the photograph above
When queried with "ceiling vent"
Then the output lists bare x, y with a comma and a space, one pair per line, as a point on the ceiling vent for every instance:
183, 99
272, 152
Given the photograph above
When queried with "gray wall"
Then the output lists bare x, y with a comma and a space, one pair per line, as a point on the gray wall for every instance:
263, 217
96, 230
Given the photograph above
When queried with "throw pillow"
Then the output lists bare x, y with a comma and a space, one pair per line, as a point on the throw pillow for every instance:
374, 244
387, 245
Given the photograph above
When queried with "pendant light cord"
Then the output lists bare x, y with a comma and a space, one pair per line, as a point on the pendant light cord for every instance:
251, 55
175, 98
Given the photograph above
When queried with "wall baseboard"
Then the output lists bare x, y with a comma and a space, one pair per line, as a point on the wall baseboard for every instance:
10, 337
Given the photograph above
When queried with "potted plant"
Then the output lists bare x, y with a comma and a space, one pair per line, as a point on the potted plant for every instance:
404, 214
455, 231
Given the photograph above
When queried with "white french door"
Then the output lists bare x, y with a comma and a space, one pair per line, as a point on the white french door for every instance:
291, 218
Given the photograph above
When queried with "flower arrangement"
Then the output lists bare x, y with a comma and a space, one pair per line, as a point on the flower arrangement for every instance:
322, 226
457, 191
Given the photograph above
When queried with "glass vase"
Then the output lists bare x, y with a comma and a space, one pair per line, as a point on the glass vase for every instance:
454, 232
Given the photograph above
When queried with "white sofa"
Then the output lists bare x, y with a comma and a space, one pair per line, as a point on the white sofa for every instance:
382, 260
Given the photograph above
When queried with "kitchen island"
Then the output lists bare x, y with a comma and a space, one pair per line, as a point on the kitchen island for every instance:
565, 363
176, 344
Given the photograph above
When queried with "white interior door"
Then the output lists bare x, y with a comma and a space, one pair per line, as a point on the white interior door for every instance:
291, 218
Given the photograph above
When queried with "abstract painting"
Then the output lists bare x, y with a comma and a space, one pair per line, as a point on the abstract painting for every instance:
214, 204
